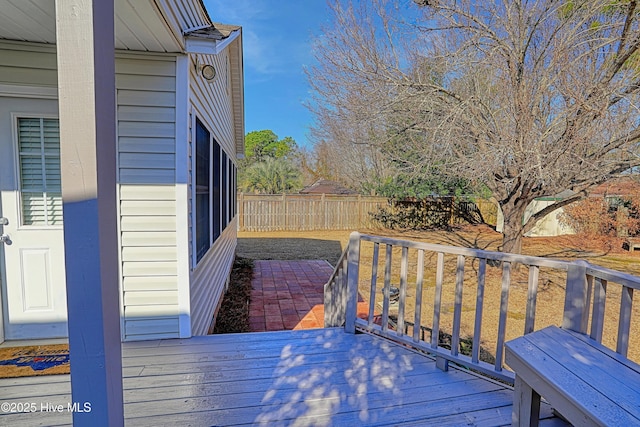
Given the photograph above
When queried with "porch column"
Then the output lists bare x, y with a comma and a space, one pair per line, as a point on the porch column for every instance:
86, 89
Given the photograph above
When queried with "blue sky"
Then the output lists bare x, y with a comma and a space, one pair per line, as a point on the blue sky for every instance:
277, 37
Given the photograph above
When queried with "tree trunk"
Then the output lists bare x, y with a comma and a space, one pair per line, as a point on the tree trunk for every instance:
513, 227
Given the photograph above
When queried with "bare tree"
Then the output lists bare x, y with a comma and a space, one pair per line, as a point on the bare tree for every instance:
340, 155
528, 97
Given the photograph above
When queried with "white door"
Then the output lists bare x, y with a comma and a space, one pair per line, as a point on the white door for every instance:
34, 298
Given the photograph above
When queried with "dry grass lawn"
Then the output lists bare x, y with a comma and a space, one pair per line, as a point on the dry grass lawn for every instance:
329, 245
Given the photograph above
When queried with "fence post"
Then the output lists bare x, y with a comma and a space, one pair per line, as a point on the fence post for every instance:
452, 215
284, 210
575, 303
353, 266
323, 219
241, 212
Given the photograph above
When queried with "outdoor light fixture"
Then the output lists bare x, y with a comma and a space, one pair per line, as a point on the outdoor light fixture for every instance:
207, 71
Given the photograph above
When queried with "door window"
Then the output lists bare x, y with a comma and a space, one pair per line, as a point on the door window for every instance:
39, 164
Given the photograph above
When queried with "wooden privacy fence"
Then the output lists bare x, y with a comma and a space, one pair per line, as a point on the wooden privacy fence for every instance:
259, 212
299, 212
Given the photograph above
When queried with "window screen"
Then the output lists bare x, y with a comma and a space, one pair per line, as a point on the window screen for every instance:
203, 163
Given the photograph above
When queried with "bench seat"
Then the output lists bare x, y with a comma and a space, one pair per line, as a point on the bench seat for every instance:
587, 383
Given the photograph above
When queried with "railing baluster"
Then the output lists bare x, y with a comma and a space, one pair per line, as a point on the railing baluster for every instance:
477, 327
599, 301
340, 291
340, 314
374, 281
343, 305
328, 312
584, 324
532, 294
441, 362
387, 285
404, 266
343, 285
345, 263
437, 301
334, 302
457, 308
624, 325
504, 305
417, 320
337, 298
351, 289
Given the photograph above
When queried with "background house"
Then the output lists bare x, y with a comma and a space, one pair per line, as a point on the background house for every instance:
180, 125
613, 191
549, 225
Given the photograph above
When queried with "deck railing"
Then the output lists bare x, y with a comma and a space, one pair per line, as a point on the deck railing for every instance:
441, 268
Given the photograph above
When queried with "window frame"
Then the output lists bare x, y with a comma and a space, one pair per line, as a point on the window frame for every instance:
201, 225
222, 174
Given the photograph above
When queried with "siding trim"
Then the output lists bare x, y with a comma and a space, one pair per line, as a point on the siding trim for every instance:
204, 46
121, 288
182, 194
193, 261
20, 91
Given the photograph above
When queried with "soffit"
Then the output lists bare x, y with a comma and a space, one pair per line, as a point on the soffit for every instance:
139, 25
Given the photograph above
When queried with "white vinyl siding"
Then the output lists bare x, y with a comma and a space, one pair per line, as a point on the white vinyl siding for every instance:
27, 65
164, 295
212, 105
212, 100
39, 165
209, 279
146, 177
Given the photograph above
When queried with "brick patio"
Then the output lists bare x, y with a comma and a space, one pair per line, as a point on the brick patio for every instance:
289, 295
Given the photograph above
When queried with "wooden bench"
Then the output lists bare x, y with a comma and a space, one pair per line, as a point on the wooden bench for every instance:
585, 382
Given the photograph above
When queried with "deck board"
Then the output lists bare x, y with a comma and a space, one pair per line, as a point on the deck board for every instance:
308, 377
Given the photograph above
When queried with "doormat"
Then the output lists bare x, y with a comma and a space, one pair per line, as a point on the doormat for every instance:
34, 360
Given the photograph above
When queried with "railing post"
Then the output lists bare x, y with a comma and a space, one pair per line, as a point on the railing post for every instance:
353, 266
575, 303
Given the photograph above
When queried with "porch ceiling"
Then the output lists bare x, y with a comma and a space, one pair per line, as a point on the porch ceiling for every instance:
139, 25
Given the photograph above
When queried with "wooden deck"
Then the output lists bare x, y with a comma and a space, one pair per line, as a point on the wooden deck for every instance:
305, 377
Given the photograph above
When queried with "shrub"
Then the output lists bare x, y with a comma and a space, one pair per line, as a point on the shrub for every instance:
597, 216
424, 214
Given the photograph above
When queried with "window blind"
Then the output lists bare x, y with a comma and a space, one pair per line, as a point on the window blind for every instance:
39, 162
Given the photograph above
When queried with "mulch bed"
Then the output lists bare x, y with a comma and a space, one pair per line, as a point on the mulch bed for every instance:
233, 316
